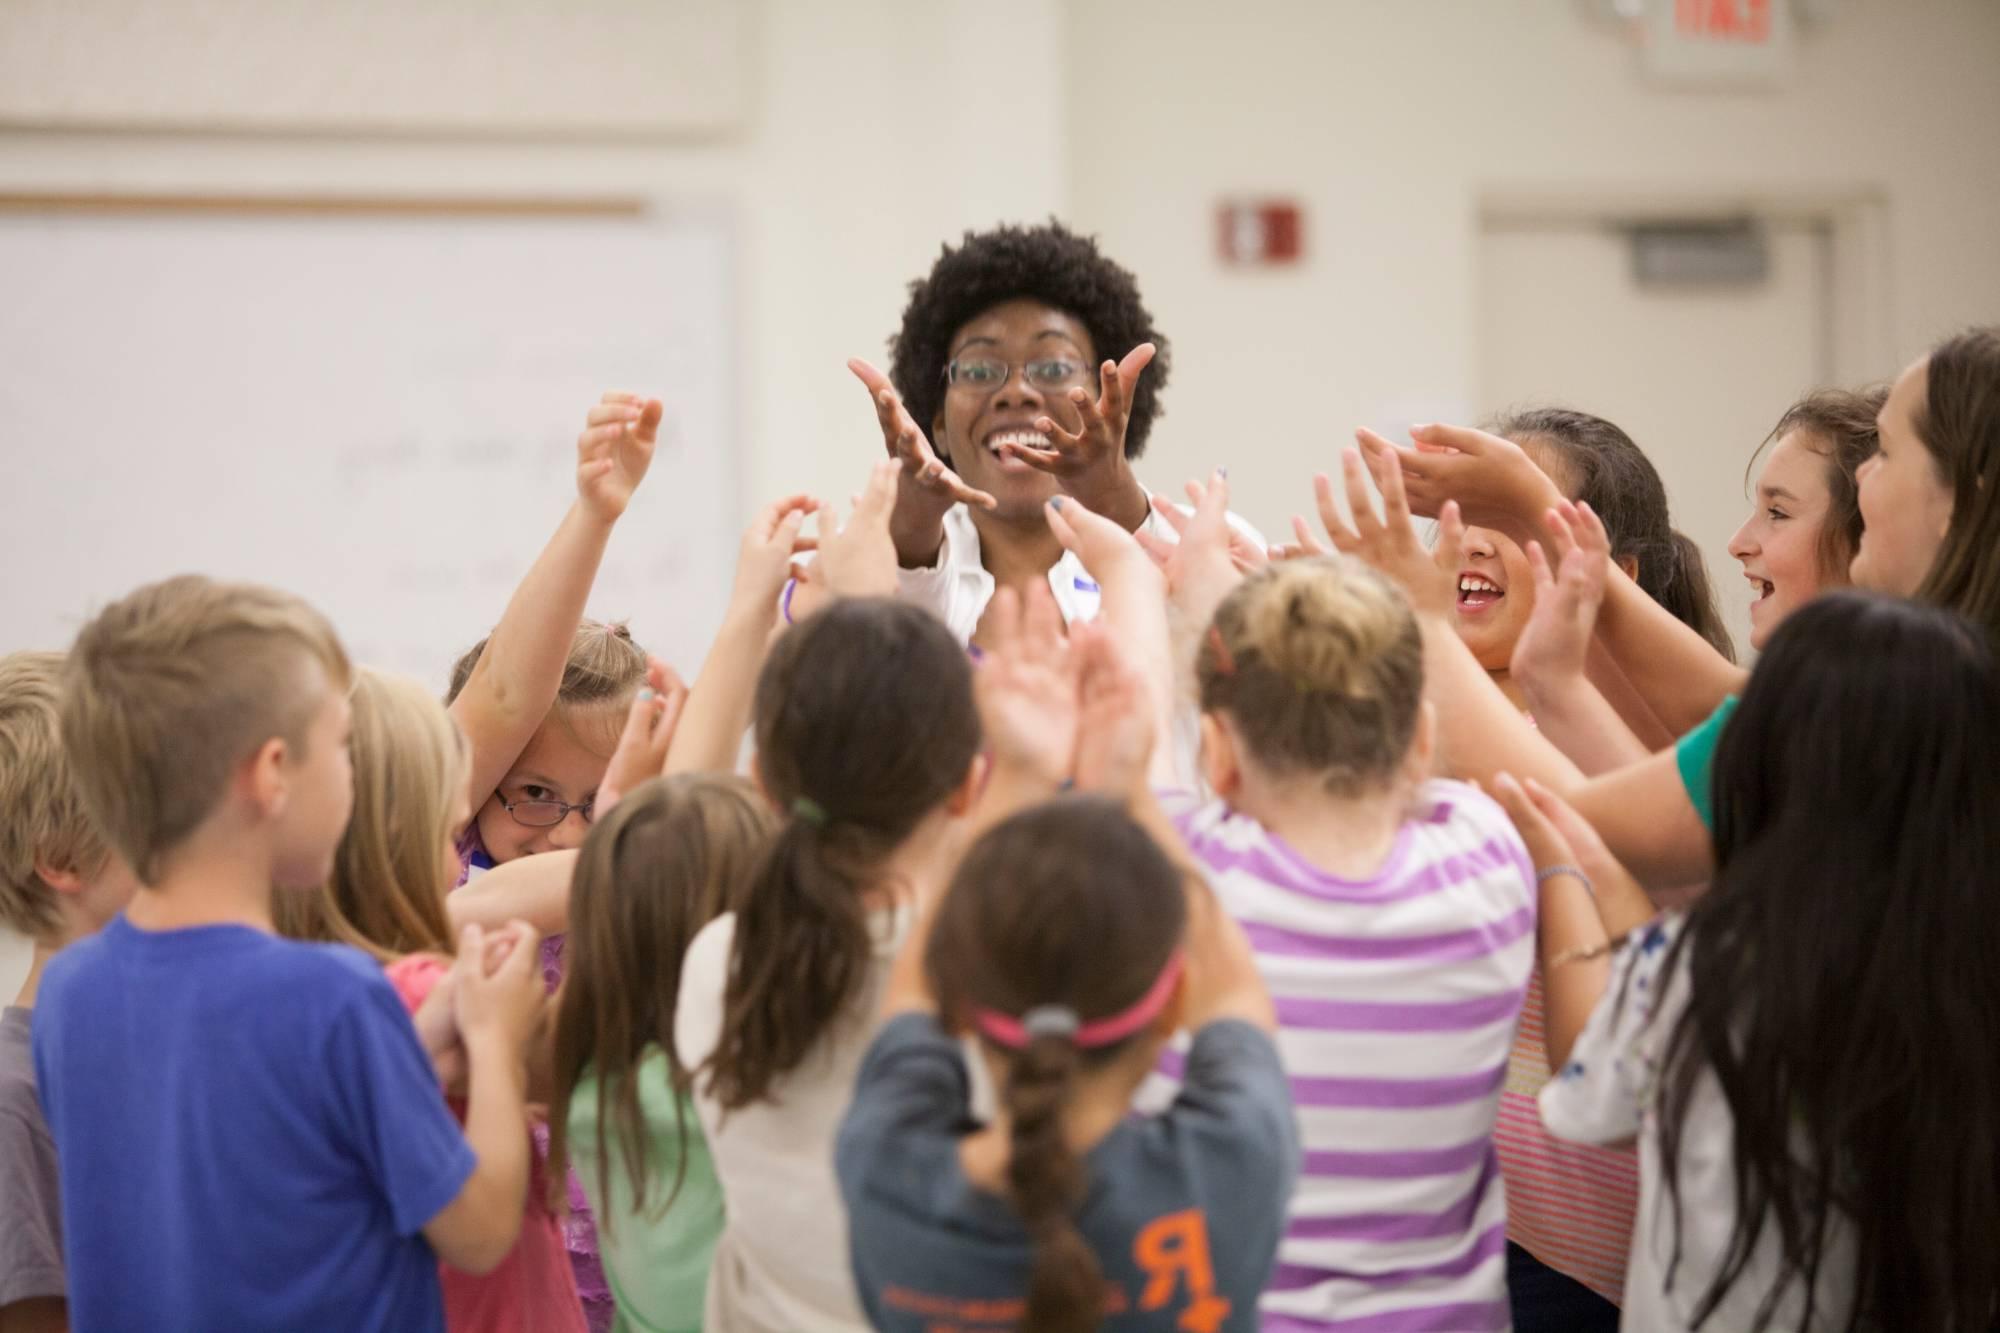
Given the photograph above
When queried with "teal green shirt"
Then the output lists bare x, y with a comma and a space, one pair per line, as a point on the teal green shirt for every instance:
656, 1263
1695, 753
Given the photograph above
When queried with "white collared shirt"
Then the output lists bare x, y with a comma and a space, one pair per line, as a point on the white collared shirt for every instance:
957, 587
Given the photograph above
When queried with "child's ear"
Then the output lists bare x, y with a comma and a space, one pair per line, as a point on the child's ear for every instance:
1630, 564
264, 778
1417, 764
966, 796
1220, 767
63, 879
757, 776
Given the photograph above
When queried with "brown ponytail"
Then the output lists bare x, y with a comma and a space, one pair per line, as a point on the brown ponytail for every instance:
1065, 1286
865, 726
1066, 906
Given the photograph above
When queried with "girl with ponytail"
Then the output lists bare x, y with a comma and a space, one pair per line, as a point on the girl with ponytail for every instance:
868, 746
1068, 948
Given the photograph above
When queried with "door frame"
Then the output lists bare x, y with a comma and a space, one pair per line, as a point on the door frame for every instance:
1856, 341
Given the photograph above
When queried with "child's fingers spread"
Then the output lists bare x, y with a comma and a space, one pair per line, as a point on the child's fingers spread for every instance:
1161, 551
1451, 535
1360, 507
1170, 514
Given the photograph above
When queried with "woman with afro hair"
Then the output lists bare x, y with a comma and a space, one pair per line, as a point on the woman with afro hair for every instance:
1027, 368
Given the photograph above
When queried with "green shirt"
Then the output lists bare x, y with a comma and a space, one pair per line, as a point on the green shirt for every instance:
1695, 753
656, 1263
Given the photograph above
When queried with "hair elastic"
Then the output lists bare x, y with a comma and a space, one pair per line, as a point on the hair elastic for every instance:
1225, 661
785, 602
1055, 1020
810, 811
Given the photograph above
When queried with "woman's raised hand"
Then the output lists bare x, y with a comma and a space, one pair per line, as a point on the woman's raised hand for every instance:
930, 487
1101, 440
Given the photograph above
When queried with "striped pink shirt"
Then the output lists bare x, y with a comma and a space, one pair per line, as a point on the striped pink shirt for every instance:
1569, 1204
1397, 997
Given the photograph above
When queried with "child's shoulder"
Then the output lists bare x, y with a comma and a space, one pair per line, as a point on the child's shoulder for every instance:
1447, 805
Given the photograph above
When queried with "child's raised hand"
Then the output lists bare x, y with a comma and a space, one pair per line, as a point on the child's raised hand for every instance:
1390, 542
615, 450
859, 559
498, 1002
1106, 549
1302, 546
764, 559
1209, 559
1026, 686
1115, 731
1555, 643
649, 733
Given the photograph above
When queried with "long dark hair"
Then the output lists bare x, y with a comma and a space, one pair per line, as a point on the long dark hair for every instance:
1959, 425
1605, 469
1068, 904
1841, 968
865, 725
674, 855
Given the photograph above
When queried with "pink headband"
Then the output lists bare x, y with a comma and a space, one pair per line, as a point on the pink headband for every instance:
1055, 1020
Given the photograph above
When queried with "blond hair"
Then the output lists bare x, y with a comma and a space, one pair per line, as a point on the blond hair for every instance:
172, 687
604, 666
45, 820
1321, 666
386, 894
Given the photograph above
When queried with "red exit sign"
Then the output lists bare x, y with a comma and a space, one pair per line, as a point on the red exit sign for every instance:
1724, 20
1259, 232
1732, 44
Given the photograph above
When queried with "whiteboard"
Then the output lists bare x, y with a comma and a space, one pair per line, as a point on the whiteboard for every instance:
376, 412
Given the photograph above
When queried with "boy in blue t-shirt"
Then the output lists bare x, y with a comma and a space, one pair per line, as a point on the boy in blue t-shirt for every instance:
250, 1134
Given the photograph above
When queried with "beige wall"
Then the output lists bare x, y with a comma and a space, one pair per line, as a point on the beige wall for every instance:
867, 143
1391, 122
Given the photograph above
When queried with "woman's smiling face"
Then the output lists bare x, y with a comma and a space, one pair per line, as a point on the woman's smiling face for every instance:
1016, 363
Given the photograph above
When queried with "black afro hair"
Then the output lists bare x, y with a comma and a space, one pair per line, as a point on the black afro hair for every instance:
1050, 264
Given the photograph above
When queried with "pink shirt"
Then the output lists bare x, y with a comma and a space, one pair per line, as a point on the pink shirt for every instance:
1571, 1205
533, 1290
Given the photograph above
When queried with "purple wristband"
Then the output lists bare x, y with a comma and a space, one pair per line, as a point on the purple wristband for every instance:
785, 602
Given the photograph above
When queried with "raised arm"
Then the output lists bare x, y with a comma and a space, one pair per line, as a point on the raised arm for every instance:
1132, 606
717, 713
1496, 485
514, 683
1552, 656
1642, 811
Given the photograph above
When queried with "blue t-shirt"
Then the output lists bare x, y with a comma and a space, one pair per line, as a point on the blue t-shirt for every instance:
250, 1135
1183, 1210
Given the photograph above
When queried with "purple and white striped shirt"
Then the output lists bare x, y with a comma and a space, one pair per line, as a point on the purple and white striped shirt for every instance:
1396, 997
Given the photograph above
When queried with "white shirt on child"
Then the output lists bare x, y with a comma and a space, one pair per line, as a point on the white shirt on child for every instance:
782, 1263
957, 587
1607, 1093
1396, 999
